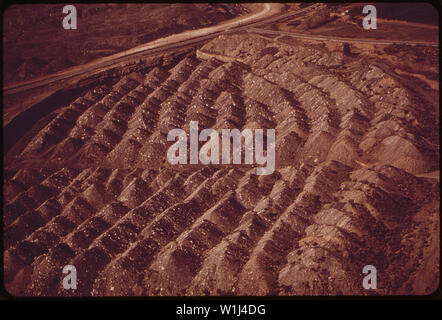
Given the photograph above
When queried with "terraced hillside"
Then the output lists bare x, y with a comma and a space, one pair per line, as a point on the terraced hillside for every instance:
355, 144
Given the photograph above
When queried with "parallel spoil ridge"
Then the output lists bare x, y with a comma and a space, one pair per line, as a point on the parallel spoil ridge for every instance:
92, 186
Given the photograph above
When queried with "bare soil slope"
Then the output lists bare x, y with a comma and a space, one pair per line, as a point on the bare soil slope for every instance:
93, 188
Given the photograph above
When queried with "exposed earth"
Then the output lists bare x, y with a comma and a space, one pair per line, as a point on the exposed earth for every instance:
36, 44
356, 180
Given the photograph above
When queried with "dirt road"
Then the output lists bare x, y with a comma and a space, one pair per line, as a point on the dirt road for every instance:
342, 39
268, 10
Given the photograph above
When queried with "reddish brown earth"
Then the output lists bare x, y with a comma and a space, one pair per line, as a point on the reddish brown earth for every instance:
357, 148
36, 44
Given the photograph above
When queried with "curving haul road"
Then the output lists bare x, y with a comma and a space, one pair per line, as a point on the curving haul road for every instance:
268, 13
342, 39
